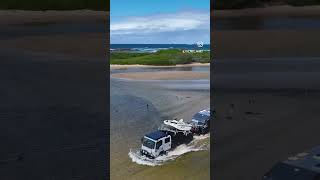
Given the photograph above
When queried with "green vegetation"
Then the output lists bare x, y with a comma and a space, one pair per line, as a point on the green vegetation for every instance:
55, 4
239, 4
162, 57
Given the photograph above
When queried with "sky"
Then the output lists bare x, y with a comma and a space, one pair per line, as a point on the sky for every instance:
159, 21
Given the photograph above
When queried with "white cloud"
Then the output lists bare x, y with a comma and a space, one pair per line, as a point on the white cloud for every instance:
174, 22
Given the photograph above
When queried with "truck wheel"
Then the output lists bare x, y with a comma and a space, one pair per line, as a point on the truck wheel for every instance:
205, 131
164, 153
161, 153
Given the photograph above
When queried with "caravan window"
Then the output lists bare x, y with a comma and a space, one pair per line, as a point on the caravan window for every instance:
159, 144
167, 140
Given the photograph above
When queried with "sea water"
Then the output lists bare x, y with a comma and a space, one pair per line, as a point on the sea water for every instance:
156, 47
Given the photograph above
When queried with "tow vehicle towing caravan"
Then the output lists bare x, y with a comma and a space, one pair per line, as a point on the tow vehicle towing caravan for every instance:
173, 133
303, 166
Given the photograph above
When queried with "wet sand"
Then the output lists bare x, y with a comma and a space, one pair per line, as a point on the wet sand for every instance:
139, 107
53, 102
163, 75
275, 114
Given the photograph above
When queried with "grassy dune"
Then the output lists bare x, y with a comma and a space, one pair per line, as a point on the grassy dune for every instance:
55, 4
162, 57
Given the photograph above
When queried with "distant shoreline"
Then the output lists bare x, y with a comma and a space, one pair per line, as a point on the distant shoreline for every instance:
164, 57
118, 66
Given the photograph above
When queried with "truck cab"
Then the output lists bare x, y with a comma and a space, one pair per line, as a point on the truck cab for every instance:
303, 166
201, 122
155, 144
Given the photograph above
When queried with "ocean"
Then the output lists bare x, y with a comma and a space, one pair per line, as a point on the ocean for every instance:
155, 47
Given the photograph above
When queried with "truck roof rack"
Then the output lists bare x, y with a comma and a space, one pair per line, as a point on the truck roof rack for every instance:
156, 135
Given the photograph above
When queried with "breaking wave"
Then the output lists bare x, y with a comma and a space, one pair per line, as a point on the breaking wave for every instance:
197, 144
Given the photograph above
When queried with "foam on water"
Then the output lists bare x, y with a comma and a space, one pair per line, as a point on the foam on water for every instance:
201, 137
196, 144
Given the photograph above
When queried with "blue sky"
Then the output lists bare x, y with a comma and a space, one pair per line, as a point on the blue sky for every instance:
159, 21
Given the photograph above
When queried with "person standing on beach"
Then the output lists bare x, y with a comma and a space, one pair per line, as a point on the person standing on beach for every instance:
230, 111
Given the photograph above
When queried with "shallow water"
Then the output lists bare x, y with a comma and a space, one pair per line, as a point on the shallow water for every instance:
139, 107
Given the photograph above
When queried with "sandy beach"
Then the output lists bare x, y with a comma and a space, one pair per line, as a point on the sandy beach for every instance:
53, 96
163, 75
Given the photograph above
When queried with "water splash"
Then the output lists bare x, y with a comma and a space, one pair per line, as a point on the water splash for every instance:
197, 144
201, 137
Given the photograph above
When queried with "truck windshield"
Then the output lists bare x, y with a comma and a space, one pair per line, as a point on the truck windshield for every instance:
201, 118
148, 143
197, 123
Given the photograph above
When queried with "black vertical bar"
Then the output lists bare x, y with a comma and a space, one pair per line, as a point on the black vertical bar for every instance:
211, 90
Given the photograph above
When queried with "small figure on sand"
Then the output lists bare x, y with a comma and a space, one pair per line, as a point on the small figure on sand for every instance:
230, 111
